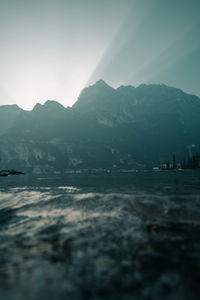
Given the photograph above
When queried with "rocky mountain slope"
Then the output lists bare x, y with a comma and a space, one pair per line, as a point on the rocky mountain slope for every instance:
106, 128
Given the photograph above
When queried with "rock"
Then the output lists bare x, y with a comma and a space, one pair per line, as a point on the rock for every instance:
10, 172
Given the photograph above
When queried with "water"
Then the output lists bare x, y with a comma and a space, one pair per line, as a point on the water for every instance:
100, 236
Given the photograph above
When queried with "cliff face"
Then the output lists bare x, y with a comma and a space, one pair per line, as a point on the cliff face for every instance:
122, 128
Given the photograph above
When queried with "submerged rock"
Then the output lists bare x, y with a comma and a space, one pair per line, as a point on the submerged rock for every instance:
10, 172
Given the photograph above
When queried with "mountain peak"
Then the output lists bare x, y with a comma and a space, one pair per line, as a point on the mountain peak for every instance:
37, 107
95, 95
49, 104
11, 107
53, 103
101, 84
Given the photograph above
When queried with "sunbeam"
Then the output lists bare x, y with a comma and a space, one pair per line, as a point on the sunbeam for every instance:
148, 44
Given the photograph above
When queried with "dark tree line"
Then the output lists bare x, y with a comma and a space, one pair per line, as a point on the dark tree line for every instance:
187, 162
191, 162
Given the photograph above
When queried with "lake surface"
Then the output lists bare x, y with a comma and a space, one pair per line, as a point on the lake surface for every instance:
100, 236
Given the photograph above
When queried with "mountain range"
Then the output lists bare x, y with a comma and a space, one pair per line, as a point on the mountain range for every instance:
107, 128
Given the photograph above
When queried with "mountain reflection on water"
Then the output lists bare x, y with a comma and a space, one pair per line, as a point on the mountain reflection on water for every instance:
103, 236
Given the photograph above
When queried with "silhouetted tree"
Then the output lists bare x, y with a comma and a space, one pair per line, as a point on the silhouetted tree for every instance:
174, 162
168, 165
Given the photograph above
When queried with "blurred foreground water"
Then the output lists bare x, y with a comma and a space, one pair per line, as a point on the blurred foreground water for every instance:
100, 236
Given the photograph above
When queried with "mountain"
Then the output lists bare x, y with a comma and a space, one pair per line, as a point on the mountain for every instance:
8, 115
126, 128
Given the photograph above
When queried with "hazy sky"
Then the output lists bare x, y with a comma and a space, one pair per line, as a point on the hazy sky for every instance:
52, 49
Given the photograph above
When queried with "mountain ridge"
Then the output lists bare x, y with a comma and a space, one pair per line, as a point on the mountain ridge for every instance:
126, 127
100, 83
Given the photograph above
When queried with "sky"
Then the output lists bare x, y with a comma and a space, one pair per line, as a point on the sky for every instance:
52, 49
